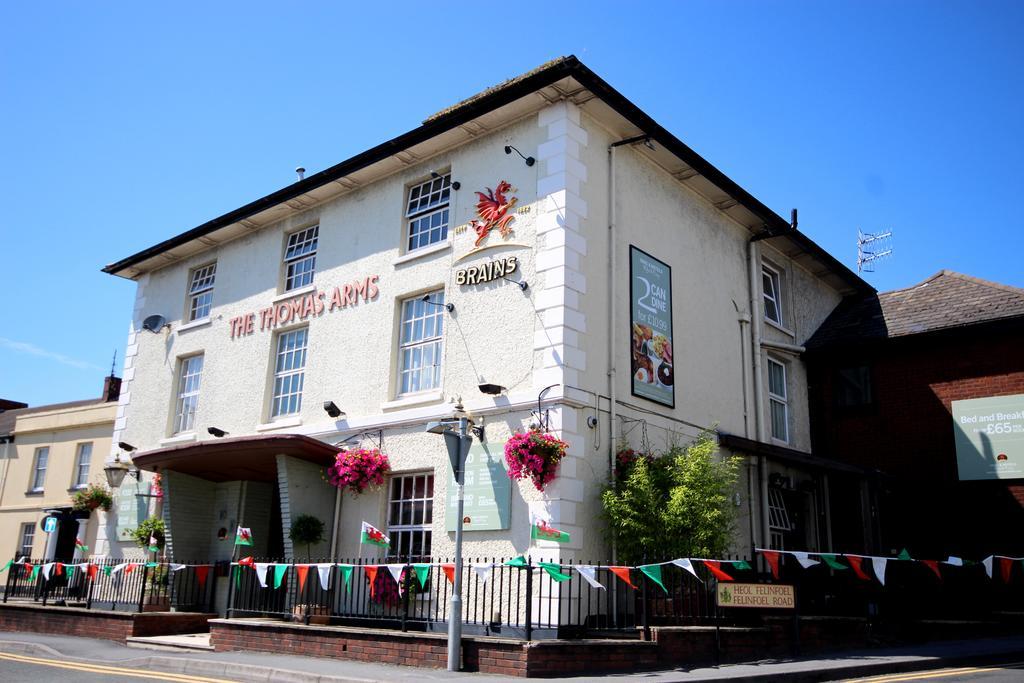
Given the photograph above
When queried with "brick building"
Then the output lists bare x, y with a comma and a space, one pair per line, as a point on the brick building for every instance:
884, 371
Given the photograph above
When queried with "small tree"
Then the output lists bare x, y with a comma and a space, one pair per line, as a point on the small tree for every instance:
677, 504
307, 530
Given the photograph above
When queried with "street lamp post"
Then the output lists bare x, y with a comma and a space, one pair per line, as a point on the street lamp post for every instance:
457, 444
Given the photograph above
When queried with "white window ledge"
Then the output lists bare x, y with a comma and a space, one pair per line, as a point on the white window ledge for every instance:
780, 328
423, 251
202, 322
292, 293
178, 438
414, 400
279, 424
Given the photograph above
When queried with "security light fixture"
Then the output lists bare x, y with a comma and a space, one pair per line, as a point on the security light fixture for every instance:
529, 160
126, 446
216, 432
450, 307
521, 284
491, 389
332, 409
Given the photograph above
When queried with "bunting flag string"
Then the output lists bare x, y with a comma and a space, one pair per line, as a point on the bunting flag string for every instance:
279, 572
622, 573
855, 565
323, 570
371, 573
302, 570
396, 573
772, 558
422, 573
878, 564
261, 572
554, 570
653, 572
202, 571
346, 575
449, 571
714, 566
483, 571
934, 566
587, 572
685, 563
831, 561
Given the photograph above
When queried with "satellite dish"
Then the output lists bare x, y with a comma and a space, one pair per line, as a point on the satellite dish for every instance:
154, 323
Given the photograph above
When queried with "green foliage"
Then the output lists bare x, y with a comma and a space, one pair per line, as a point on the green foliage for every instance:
92, 497
307, 530
677, 504
154, 526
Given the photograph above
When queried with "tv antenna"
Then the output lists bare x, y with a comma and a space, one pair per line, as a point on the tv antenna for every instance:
872, 247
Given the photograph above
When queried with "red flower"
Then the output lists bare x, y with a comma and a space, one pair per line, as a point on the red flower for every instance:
536, 455
358, 469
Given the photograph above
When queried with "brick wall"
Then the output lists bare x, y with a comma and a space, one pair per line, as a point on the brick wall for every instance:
907, 433
104, 624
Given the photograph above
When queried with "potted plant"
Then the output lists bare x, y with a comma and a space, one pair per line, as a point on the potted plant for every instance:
534, 454
92, 497
157, 597
358, 469
307, 530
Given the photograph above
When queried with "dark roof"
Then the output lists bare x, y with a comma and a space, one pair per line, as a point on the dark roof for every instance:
945, 301
487, 101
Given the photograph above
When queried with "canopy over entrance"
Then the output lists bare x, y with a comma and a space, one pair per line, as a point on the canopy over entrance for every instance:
252, 458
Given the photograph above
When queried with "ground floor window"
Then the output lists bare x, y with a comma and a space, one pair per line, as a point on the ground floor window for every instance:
411, 516
28, 536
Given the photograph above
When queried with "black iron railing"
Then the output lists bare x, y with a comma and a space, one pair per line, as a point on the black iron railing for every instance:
115, 584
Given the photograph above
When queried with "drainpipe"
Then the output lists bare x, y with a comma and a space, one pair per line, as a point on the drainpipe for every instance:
334, 527
753, 257
7, 440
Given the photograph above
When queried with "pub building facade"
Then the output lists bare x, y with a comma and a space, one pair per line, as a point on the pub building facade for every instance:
543, 253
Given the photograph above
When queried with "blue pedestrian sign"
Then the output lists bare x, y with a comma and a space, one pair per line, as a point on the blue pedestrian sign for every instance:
50, 525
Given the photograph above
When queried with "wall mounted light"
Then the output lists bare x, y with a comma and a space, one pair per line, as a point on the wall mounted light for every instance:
332, 409
521, 284
450, 307
455, 184
116, 470
530, 161
216, 432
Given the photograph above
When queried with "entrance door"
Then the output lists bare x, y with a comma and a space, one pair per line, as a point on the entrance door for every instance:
67, 529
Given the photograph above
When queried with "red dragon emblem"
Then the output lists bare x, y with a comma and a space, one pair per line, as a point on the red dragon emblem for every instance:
493, 209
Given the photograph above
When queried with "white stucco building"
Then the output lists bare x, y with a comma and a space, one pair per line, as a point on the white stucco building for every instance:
314, 294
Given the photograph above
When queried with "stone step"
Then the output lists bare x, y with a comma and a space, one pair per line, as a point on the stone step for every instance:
186, 642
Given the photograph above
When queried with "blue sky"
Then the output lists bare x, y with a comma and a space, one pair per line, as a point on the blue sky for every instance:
126, 123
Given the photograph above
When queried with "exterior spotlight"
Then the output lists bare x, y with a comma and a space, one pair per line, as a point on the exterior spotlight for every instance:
332, 409
216, 432
126, 446
456, 185
521, 284
530, 161
450, 307
491, 389
434, 174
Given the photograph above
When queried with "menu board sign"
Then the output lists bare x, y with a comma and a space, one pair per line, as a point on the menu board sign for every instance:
488, 491
132, 509
650, 295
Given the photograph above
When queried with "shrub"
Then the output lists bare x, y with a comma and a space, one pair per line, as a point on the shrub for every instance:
307, 530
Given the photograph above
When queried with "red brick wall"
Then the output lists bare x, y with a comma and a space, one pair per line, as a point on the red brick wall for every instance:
170, 623
908, 433
66, 621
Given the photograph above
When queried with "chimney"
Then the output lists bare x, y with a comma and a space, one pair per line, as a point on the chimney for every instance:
111, 388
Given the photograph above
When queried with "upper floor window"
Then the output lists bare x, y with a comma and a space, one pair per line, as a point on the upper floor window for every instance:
427, 212
82, 458
778, 400
411, 516
300, 258
853, 387
28, 537
190, 376
771, 285
289, 372
39, 468
200, 292
420, 343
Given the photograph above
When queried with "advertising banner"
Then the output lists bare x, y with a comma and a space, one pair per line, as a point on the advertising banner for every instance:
650, 296
488, 490
989, 437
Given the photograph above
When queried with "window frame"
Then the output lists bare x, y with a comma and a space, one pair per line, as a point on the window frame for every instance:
774, 276
28, 530
840, 379
276, 374
420, 212
36, 486
181, 394
397, 531
77, 482
776, 399
206, 282
301, 257
436, 342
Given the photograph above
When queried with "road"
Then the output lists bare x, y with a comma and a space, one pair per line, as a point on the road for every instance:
996, 673
24, 669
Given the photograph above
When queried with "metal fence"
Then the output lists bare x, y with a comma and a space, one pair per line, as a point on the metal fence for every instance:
140, 588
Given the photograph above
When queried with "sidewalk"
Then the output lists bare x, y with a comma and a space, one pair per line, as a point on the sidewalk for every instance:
252, 666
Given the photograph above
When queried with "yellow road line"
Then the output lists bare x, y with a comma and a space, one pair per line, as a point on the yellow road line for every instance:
110, 670
938, 673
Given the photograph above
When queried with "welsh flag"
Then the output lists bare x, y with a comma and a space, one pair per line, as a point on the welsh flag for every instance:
243, 536
154, 545
540, 530
374, 536
81, 546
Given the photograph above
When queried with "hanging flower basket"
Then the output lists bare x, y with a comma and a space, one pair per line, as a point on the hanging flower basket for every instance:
534, 454
95, 496
358, 469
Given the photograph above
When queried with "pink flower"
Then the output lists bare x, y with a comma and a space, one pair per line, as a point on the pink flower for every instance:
536, 455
